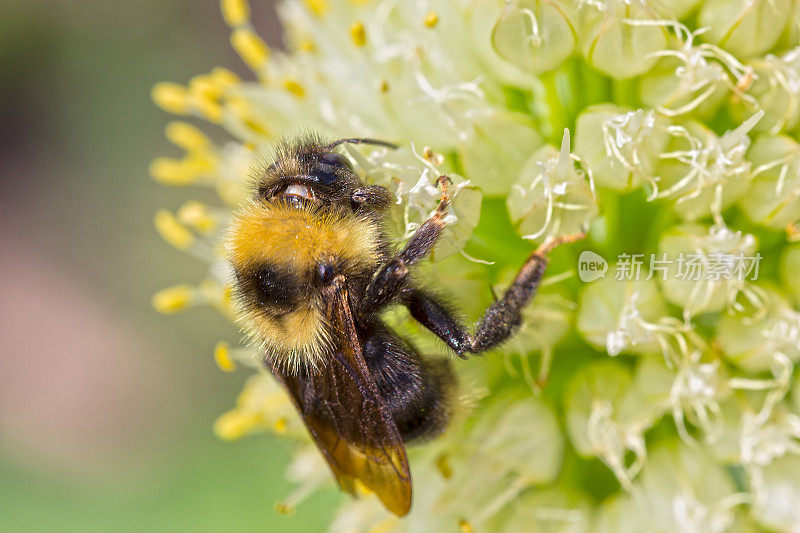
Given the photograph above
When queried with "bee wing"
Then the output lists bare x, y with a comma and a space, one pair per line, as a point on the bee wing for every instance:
349, 421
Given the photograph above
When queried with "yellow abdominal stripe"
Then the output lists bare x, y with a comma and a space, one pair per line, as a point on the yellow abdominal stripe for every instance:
299, 338
277, 234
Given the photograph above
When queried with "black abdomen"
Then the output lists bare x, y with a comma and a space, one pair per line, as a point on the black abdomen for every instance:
418, 391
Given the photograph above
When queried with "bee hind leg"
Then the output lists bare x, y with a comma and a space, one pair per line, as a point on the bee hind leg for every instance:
499, 321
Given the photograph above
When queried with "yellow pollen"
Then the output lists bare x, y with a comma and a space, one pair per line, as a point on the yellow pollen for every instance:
171, 97
464, 526
306, 45
443, 466
384, 86
284, 508
294, 87
793, 232
318, 7
235, 12
172, 231
431, 19
358, 34
250, 47
187, 136
222, 356
173, 299
432, 157
280, 426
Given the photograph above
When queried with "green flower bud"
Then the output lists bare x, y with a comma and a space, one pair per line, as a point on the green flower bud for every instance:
620, 146
495, 150
684, 489
774, 197
790, 266
744, 27
502, 438
620, 514
704, 173
752, 342
776, 91
618, 316
693, 77
551, 197
777, 493
554, 510
674, 9
707, 267
602, 422
614, 40
534, 35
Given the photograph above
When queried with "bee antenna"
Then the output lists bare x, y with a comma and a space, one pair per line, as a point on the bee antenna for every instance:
361, 140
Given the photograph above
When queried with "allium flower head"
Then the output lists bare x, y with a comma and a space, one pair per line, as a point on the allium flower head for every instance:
666, 396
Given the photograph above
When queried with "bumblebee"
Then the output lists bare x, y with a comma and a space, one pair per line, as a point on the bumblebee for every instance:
314, 270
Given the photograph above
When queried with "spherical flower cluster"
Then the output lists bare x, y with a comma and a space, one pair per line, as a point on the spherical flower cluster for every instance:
666, 396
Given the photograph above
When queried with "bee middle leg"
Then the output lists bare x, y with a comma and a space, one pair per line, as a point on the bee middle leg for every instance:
499, 321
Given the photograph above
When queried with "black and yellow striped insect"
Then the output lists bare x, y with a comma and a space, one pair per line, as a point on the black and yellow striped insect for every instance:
314, 270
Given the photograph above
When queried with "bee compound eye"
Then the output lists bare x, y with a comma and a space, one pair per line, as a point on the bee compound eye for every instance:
329, 167
335, 159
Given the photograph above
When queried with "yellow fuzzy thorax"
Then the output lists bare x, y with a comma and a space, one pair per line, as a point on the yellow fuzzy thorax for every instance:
279, 234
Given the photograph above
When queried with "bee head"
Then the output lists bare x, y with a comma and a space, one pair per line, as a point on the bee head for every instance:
310, 171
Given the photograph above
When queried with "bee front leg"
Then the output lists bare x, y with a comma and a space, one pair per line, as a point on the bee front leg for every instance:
499, 321
391, 277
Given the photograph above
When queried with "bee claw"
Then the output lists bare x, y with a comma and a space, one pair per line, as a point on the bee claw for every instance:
444, 182
552, 242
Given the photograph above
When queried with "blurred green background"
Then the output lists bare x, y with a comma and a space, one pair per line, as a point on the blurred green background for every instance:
106, 408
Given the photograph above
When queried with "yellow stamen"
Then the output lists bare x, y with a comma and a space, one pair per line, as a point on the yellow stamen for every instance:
171, 97
224, 77
196, 215
464, 526
208, 108
187, 136
280, 426
204, 87
250, 47
318, 7
235, 12
235, 424
222, 356
358, 34
294, 87
173, 299
384, 86
173, 172
172, 231
431, 19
